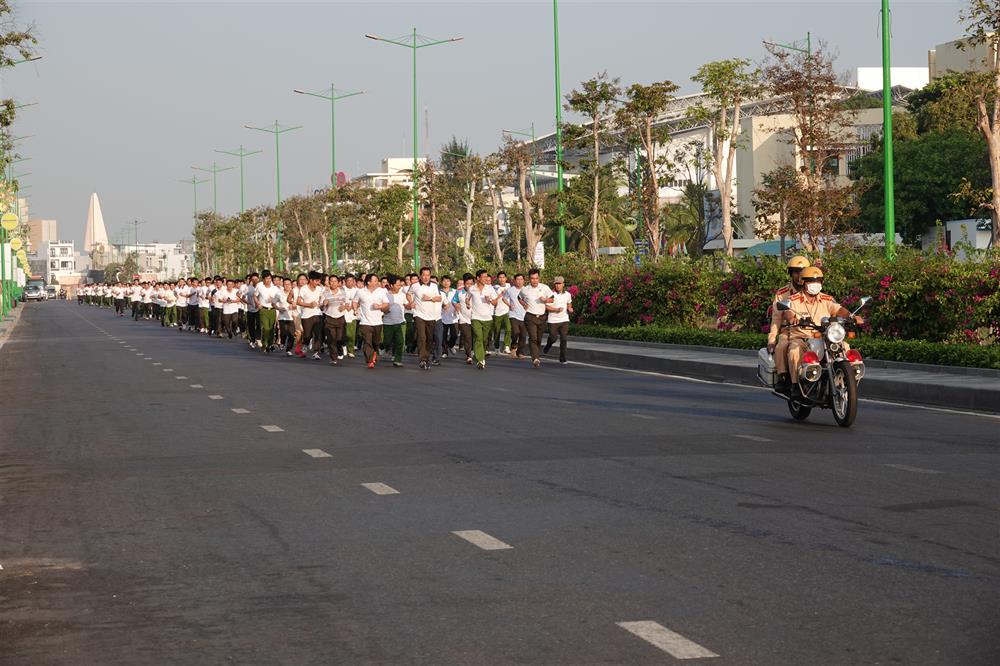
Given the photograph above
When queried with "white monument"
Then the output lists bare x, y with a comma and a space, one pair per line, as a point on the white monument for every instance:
96, 233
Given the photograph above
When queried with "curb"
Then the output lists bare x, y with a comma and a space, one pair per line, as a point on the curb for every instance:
955, 395
7, 325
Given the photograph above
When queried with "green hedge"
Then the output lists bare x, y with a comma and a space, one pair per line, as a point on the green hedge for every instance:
905, 351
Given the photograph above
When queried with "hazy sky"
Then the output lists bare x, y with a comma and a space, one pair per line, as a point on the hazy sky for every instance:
133, 94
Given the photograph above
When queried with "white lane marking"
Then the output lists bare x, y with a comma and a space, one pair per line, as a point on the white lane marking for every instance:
148, 358
917, 470
504, 390
138, 353
670, 642
157, 363
180, 377
168, 369
272, 428
380, 488
565, 402
240, 410
215, 397
316, 453
196, 386
754, 438
651, 374
930, 409
482, 540
645, 416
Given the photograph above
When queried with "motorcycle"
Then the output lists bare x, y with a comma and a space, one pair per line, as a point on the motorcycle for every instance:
829, 372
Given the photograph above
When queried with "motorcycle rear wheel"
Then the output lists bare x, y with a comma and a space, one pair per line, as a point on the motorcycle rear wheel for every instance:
844, 395
799, 411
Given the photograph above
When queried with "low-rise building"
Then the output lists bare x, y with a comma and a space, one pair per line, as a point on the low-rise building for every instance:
395, 171
956, 56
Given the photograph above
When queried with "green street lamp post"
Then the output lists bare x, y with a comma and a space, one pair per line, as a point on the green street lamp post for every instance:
194, 183
890, 199
416, 43
277, 130
559, 146
333, 96
240, 153
215, 170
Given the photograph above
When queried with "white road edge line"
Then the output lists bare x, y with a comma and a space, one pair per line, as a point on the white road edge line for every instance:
916, 470
904, 405
272, 428
754, 438
482, 540
670, 642
316, 453
380, 488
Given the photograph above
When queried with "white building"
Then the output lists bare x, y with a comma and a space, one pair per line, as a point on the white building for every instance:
870, 78
168, 261
959, 236
60, 260
952, 57
395, 171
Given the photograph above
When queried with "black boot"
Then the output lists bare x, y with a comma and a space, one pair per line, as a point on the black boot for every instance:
783, 385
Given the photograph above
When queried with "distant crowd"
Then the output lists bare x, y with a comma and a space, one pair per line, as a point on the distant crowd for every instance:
478, 315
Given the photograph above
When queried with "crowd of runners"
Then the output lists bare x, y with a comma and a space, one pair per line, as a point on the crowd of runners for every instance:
478, 315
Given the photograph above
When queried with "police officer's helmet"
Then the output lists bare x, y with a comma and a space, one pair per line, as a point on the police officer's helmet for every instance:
812, 273
797, 263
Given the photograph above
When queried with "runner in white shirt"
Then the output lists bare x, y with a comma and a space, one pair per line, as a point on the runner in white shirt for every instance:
182, 292
482, 299
559, 309
335, 304
394, 319
252, 314
118, 293
373, 303
135, 296
351, 316
425, 301
266, 296
448, 325
534, 297
465, 316
286, 316
519, 334
194, 295
312, 317
501, 316
205, 305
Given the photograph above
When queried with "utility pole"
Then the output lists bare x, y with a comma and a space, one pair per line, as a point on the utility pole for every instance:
416, 43
241, 153
215, 170
277, 130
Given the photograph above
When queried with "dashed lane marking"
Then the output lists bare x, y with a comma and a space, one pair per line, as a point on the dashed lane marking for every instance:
157, 363
316, 453
754, 438
168, 369
670, 642
215, 397
916, 470
380, 488
272, 428
482, 540
196, 386
645, 416
240, 410
148, 358
180, 377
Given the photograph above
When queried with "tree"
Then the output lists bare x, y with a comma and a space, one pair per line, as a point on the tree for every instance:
16, 44
946, 103
636, 118
596, 99
819, 137
516, 157
728, 85
464, 176
774, 203
982, 23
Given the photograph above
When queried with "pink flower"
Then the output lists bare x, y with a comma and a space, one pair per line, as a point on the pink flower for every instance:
646, 319
607, 300
573, 290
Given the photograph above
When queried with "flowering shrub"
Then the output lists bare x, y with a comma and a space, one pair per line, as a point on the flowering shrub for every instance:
916, 297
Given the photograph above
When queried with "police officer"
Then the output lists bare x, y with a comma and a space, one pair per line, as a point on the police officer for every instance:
813, 304
778, 347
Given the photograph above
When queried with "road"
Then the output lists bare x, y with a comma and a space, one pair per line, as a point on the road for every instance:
158, 506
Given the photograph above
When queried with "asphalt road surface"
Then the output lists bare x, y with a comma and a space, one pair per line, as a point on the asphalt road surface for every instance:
166, 498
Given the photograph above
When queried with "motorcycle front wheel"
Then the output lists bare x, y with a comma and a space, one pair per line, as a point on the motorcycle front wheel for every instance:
844, 394
799, 411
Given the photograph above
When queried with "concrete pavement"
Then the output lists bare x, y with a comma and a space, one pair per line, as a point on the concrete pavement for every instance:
163, 501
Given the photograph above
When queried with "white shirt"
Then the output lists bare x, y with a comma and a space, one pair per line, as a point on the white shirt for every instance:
229, 299
464, 313
449, 311
351, 294
561, 300
268, 296
366, 299
118, 293
536, 297
285, 309
182, 296
517, 311
310, 295
333, 300
501, 308
135, 293
397, 308
205, 297
426, 310
147, 295
482, 308
168, 296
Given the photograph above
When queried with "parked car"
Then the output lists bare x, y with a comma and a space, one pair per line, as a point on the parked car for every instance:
33, 292
51, 291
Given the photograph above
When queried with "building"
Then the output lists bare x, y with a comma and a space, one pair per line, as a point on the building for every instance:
958, 236
165, 261
60, 260
870, 78
951, 57
395, 171
41, 231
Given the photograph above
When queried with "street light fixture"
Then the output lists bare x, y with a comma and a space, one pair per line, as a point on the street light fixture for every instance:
240, 153
277, 130
215, 170
333, 96
415, 43
194, 182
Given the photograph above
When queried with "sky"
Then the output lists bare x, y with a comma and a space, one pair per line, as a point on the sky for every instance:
132, 95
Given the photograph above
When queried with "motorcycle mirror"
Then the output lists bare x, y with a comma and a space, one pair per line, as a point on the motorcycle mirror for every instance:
783, 306
824, 321
865, 300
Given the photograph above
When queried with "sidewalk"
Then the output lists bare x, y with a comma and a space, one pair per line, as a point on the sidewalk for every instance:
9, 322
969, 389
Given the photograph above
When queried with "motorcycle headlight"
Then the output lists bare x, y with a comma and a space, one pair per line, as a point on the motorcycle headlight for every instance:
836, 333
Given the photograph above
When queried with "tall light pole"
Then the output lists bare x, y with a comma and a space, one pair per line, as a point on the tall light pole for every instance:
559, 146
215, 170
277, 130
416, 43
194, 183
241, 153
889, 177
333, 96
